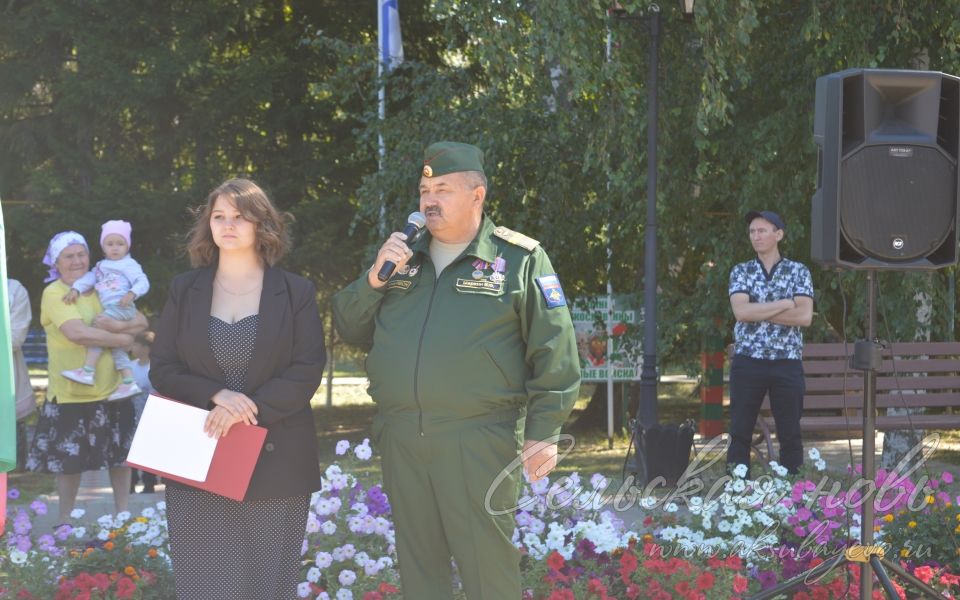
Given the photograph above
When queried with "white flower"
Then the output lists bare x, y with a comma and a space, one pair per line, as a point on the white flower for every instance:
104, 535
122, 518
80, 532
18, 557
598, 482
344, 594
313, 574
781, 471
813, 453
313, 525
303, 589
820, 464
77, 513
149, 512
740, 470
342, 447
371, 568
363, 451
105, 521
328, 527
347, 577
348, 551
671, 507
540, 487
323, 559
137, 527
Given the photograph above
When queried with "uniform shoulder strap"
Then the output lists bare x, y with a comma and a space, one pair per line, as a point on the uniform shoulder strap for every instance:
516, 238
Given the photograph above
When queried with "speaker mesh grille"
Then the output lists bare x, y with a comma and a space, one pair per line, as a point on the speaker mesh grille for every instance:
897, 202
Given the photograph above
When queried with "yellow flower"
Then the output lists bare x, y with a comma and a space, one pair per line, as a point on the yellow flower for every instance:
930, 499
129, 570
912, 524
904, 553
888, 518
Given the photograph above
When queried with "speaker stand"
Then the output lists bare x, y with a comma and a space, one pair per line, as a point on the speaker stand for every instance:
866, 358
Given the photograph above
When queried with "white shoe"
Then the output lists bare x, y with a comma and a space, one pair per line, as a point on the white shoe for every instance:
79, 375
125, 390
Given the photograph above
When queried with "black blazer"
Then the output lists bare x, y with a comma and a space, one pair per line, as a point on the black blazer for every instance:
284, 372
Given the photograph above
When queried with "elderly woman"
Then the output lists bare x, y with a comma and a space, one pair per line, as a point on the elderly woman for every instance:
78, 430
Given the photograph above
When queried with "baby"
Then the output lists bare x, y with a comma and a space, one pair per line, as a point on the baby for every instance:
119, 280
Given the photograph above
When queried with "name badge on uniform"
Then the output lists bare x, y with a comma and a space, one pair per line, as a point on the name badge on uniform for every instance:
479, 286
552, 292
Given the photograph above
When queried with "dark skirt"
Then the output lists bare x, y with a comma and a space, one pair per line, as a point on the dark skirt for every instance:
77, 437
229, 550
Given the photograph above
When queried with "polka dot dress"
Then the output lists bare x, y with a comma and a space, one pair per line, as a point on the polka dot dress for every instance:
227, 550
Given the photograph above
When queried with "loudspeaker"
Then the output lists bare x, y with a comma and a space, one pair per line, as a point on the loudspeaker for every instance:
887, 177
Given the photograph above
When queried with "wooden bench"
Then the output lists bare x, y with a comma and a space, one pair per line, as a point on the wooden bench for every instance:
916, 375
35, 347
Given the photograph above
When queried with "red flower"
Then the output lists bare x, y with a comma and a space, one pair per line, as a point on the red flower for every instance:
924, 573
125, 587
561, 595
595, 586
102, 581
555, 561
633, 591
705, 580
734, 562
619, 329
628, 564
682, 588
740, 584
801, 596
386, 588
373, 596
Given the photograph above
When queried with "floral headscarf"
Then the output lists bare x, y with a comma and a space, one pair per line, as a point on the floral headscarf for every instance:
57, 245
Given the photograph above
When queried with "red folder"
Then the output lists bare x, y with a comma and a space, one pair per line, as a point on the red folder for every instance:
232, 465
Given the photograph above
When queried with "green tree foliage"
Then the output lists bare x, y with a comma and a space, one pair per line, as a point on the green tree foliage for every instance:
116, 109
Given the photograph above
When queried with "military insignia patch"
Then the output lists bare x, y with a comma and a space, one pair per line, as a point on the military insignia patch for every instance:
552, 292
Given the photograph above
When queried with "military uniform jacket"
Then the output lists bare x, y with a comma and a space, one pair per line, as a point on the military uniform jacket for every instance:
470, 346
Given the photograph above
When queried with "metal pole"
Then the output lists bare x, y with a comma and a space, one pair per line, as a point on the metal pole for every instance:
609, 318
382, 113
869, 435
648, 376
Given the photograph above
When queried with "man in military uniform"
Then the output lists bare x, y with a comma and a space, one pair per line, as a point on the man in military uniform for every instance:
472, 356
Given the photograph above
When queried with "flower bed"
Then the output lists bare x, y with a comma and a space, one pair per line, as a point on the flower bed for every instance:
729, 539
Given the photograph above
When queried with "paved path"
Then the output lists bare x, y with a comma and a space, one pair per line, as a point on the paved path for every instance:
96, 498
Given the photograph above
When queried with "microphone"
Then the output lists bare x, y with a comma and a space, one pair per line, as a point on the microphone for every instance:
415, 224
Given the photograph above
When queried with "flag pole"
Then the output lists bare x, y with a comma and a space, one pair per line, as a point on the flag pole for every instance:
389, 56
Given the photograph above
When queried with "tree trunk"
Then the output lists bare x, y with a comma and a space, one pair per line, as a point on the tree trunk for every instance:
594, 416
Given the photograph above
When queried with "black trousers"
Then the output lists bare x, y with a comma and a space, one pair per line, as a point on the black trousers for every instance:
750, 380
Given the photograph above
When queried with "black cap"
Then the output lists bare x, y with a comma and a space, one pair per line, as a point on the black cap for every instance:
769, 215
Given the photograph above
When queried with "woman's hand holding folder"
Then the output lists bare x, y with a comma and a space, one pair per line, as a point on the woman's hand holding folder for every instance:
231, 407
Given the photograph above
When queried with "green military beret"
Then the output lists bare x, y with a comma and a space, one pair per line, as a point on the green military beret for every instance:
451, 157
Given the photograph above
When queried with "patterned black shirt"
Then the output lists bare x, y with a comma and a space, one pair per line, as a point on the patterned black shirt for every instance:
763, 339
